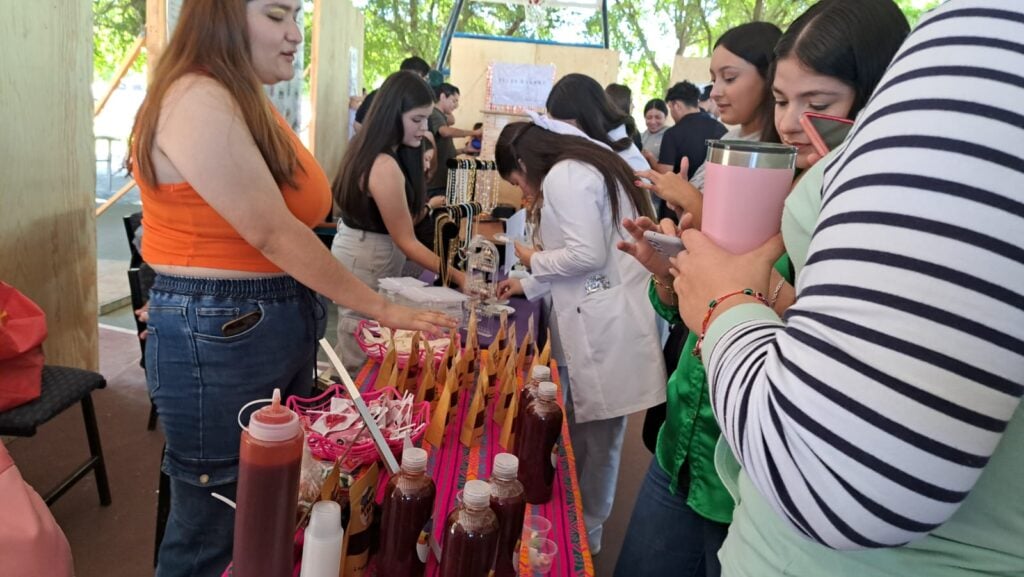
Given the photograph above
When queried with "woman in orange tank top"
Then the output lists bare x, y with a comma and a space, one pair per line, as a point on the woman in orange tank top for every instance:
229, 196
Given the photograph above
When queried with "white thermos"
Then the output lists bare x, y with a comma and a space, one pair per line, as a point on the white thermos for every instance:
321, 551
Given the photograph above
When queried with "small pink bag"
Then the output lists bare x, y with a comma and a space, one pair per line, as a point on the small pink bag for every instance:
31, 542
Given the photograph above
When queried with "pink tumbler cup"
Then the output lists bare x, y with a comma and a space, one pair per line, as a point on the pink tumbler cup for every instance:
745, 187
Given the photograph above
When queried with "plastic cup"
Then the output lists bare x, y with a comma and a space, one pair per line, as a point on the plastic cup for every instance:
535, 528
542, 554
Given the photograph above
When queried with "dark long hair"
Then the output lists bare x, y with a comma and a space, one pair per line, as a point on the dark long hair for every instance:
380, 134
539, 149
853, 42
755, 42
212, 37
580, 98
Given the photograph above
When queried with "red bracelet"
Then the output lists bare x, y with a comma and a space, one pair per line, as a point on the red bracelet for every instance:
711, 309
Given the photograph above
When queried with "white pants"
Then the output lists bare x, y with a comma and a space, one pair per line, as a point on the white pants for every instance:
598, 449
370, 256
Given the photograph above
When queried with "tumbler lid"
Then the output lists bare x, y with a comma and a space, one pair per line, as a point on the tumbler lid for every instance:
751, 154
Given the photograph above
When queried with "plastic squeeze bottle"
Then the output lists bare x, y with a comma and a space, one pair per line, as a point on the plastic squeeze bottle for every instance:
321, 548
542, 425
509, 503
471, 534
268, 490
408, 505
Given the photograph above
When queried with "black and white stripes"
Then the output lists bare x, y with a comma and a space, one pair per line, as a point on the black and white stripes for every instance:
867, 419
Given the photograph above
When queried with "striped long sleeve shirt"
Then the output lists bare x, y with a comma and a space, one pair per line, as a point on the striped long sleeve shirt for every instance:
868, 416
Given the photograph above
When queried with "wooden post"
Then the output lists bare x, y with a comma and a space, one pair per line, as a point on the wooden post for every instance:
156, 33
121, 71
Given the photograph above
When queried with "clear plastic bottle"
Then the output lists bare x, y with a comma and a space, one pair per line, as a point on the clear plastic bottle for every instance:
538, 374
508, 502
269, 460
542, 425
408, 505
471, 534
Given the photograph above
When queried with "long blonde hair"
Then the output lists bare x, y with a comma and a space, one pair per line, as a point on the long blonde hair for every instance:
212, 38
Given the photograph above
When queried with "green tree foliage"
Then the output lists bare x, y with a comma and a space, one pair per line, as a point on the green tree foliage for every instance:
396, 29
115, 24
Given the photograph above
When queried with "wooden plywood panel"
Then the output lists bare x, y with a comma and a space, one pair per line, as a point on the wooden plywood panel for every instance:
601, 65
337, 31
47, 223
471, 56
696, 70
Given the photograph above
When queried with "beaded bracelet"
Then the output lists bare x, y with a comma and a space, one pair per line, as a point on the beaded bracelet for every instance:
665, 287
711, 309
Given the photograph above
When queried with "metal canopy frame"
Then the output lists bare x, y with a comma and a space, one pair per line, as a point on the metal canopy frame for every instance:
453, 20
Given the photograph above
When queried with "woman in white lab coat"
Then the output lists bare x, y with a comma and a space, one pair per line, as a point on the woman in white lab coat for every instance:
604, 331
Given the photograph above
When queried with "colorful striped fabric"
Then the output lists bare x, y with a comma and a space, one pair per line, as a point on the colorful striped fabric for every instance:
454, 464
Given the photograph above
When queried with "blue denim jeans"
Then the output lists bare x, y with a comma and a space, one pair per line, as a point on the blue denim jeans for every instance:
199, 379
666, 537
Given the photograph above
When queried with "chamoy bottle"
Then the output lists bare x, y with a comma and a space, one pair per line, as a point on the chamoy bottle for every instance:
542, 425
509, 503
408, 504
268, 489
470, 535
538, 375
321, 548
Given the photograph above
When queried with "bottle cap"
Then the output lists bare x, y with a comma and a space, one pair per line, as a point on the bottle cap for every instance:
414, 460
476, 494
506, 466
540, 373
547, 391
275, 422
325, 521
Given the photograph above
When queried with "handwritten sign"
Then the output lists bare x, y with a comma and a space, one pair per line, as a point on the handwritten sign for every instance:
520, 86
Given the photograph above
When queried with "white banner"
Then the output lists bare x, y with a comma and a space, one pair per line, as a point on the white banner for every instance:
521, 85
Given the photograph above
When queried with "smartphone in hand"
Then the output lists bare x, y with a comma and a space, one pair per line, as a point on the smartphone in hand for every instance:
825, 132
665, 245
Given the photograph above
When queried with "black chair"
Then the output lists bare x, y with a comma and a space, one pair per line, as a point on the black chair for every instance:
63, 387
140, 279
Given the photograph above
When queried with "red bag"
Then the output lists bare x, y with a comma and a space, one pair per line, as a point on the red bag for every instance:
22, 332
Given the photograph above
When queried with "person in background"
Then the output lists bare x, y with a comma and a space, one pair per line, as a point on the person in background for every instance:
578, 100
708, 104
381, 196
230, 196
884, 434
683, 510
412, 63
741, 89
693, 127
474, 143
622, 96
655, 115
443, 135
31, 542
578, 192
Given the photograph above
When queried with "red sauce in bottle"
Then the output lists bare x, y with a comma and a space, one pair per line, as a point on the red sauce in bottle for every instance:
542, 425
509, 504
269, 460
538, 375
408, 505
471, 535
